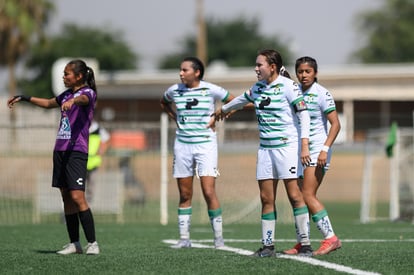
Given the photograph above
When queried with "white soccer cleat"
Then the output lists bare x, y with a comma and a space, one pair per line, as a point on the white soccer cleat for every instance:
92, 249
183, 243
71, 248
218, 242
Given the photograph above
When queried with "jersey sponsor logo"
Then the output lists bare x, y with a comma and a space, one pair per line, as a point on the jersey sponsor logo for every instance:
262, 120
64, 130
264, 102
191, 102
185, 119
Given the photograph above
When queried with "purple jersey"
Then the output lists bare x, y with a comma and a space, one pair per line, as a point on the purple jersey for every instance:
73, 134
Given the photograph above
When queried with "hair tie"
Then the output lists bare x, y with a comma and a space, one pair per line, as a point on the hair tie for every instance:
282, 70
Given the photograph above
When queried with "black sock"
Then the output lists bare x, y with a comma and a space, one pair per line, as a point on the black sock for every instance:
72, 225
88, 225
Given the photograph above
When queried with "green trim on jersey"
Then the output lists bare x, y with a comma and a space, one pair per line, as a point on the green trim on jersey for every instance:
248, 98
193, 142
226, 97
273, 146
327, 111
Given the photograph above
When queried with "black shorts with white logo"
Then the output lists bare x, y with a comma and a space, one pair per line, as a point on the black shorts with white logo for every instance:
69, 169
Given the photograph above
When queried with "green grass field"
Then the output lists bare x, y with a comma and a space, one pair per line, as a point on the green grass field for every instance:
140, 248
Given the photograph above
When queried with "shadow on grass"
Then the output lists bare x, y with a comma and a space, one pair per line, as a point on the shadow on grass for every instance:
46, 251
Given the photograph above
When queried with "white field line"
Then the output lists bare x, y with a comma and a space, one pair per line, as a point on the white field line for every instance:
308, 260
313, 240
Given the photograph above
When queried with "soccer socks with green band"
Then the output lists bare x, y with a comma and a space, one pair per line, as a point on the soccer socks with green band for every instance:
214, 213
268, 228
216, 221
319, 215
301, 217
184, 222
323, 224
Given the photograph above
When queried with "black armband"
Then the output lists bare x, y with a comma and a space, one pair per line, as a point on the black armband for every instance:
300, 106
23, 97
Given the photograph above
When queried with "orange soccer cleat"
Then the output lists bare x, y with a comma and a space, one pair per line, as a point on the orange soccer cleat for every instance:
328, 245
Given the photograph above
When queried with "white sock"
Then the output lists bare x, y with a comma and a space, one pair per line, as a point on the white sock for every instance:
217, 225
301, 216
268, 229
324, 226
184, 222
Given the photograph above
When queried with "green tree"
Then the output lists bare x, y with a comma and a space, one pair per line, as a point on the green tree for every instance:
74, 41
389, 33
235, 42
21, 21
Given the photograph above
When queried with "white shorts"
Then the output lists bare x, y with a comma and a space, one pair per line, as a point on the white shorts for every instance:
199, 159
315, 150
281, 163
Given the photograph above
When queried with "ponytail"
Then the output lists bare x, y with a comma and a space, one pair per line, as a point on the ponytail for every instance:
284, 72
90, 79
80, 67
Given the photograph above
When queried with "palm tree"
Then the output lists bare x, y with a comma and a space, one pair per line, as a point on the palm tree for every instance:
21, 21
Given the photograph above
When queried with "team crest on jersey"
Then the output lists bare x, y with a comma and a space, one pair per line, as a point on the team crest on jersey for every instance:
277, 89
204, 92
310, 98
278, 86
64, 130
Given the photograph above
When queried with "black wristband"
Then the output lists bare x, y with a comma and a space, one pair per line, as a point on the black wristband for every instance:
23, 97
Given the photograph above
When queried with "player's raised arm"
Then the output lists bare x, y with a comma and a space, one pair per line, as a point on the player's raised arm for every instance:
41, 102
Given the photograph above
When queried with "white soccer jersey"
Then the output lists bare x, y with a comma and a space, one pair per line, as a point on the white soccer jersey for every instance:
275, 105
194, 107
319, 102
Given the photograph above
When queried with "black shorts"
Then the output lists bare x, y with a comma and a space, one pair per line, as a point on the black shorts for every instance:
69, 169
